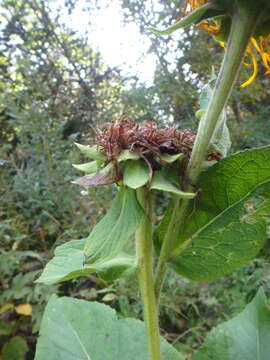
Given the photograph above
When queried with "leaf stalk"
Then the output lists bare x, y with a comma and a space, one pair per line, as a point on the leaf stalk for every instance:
144, 248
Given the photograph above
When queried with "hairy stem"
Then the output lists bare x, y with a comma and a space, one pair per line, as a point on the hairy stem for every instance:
243, 23
144, 247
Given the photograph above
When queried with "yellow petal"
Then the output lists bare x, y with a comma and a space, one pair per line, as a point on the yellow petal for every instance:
255, 68
212, 29
24, 309
266, 61
255, 44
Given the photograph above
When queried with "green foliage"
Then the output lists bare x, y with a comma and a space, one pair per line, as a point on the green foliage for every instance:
67, 335
19, 270
52, 85
224, 229
68, 263
54, 90
15, 349
97, 252
188, 309
247, 336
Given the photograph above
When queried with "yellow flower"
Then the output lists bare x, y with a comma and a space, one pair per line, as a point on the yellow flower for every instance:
191, 5
259, 45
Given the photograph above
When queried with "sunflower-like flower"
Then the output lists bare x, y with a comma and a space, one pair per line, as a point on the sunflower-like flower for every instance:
214, 16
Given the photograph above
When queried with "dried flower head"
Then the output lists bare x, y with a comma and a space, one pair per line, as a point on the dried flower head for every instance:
144, 139
126, 150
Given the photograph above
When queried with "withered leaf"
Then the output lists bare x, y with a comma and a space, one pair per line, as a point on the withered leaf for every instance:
106, 176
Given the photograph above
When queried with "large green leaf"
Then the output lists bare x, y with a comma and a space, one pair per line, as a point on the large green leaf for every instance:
74, 329
68, 263
246, 337
100, 252
111, 234
225, 226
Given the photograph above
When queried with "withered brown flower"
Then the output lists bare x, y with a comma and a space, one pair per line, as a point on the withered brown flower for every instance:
143, 138
159, 148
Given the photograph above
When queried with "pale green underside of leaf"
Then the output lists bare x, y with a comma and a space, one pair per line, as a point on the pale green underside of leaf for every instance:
136, 174
75, 329
190, 19
225, 226
245, 337
159, 182
220, 141
68, 261
111, 234
88, 168
90, 151
207, 91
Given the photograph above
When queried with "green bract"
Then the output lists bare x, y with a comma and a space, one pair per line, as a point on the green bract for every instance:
131, 170
127, 155
136, 174
162, 181
170, 158
88, 168
91, 151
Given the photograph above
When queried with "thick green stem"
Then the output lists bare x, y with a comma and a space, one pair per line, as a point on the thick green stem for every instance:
243, 23
177, 216
144, 246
